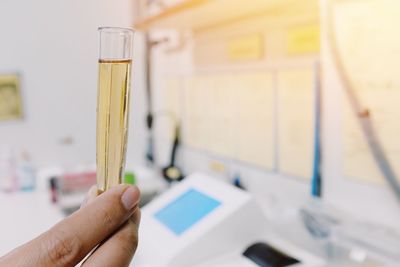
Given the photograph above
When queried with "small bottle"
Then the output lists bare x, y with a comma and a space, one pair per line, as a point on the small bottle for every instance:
54, 189
26, 173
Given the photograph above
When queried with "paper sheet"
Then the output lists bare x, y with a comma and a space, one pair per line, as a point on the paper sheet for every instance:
172, 93
231, 115
254, 97
221, 110
197, 115
303, 39
369, 46
296, 129
358, 162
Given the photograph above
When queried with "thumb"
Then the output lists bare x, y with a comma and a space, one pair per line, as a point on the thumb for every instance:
67, 243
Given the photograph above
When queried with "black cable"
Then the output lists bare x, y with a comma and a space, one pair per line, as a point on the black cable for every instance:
175, 146
171, 172
149, 116
149, 96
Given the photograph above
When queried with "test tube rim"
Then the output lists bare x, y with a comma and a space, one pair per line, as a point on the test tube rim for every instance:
116, 29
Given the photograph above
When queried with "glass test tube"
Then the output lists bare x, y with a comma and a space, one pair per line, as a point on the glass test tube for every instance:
115, 62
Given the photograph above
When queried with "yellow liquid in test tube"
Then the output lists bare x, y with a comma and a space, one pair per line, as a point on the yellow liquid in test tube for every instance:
112, 121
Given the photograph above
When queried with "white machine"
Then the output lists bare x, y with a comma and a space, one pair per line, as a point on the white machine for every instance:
204, 222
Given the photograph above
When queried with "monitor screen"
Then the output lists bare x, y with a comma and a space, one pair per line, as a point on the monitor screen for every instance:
186, 210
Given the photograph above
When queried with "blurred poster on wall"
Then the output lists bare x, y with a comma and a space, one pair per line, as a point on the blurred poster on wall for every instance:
10, 97
296, 118
369, 48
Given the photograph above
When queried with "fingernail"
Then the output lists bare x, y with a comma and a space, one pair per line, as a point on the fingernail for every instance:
130, 197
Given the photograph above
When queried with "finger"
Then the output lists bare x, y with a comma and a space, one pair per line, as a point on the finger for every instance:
119, 249
136, 216
71, 239
90, 196
93, 223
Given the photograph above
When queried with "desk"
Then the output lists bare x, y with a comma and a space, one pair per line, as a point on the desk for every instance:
25, 215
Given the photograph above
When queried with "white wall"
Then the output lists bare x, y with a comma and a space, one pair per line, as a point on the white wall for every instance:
54, 46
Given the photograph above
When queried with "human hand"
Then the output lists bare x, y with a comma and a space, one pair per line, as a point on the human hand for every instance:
106, 224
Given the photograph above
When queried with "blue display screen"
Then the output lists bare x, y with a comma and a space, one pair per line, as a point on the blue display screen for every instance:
186, 210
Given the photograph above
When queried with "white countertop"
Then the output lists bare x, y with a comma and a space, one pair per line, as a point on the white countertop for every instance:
25, 215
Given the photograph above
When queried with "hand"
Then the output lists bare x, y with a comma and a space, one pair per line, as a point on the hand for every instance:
105, 225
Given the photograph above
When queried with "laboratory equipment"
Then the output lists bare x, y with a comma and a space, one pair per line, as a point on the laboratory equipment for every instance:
115, 62
173, 173
68, 189
332, 226
26, 173
150, 116
205, 222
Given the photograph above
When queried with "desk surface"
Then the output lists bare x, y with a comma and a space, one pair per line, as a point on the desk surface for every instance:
25, 215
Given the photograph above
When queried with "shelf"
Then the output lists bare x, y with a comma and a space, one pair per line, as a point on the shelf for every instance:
201, 14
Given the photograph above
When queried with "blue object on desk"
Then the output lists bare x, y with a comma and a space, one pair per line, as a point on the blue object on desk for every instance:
186, 210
